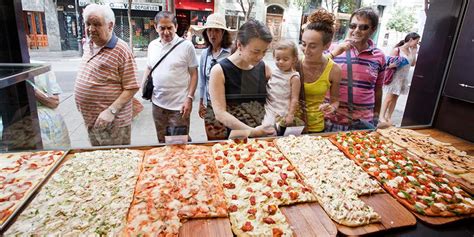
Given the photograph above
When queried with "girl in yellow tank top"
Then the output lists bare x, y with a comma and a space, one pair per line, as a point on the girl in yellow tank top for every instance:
319, 74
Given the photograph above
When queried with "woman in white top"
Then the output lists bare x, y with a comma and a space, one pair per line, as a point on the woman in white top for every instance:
399, 85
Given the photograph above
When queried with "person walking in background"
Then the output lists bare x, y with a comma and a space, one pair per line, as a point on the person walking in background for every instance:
218, 40
404, 51
367, 63
106, 80
174, 79
284, 86
242, 78
319, 74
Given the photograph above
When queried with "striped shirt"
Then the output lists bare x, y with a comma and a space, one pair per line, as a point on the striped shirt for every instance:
103, 75
368, 68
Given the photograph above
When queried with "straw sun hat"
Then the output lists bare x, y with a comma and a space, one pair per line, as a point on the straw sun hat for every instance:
214, 20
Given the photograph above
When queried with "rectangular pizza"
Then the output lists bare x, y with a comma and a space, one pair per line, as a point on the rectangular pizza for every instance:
20, 173
89, 195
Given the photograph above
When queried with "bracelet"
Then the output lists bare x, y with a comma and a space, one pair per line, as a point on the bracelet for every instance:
332, 55
191, 97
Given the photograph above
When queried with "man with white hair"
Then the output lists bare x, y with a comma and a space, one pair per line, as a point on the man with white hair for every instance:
106, 81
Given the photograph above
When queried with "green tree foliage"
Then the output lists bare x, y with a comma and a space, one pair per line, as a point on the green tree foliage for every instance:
402, 19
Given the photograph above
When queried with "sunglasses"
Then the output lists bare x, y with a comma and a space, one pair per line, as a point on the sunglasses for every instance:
362, 27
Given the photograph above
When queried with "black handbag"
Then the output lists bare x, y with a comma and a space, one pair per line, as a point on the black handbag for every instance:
148, 87
357, 124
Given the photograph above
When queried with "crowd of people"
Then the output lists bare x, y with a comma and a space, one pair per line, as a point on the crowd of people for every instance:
327, 86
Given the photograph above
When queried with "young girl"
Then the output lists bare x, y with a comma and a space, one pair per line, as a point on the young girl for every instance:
284, 86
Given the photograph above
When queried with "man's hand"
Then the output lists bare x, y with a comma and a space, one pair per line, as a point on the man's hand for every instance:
327, 108
187, 107
104, 120
202, 110
262, 131
342, 47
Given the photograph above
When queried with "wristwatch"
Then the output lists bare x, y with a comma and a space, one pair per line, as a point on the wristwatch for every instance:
113, 110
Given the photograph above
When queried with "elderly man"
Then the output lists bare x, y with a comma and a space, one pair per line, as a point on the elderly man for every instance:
106, 80
174, 79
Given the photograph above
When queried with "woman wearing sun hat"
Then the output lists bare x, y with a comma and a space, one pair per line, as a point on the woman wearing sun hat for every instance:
219, 39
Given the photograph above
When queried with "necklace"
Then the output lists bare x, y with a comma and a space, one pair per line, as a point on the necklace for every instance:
311, 73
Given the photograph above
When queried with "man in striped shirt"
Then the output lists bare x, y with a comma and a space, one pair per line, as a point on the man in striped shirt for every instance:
106, 80
367, 74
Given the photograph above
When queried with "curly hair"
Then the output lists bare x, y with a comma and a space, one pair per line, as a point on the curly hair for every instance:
226, 39
322, 21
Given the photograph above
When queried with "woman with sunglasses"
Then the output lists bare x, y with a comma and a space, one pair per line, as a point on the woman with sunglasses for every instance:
218, 39
368, 65
237, 84
406, 48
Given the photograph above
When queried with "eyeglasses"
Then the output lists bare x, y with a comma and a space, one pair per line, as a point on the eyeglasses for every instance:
362, 27
163, 28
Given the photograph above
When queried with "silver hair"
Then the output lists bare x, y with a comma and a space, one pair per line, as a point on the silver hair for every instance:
104, 10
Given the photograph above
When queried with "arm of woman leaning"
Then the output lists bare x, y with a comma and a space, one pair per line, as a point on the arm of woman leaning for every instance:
51, 102
218, 101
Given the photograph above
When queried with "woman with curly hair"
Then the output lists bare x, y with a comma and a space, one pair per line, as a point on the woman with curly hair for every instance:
319, 73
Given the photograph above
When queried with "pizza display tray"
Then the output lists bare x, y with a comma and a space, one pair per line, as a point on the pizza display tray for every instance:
393, 214
32, 192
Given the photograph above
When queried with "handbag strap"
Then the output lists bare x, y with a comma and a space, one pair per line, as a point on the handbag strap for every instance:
349, 85
161, 59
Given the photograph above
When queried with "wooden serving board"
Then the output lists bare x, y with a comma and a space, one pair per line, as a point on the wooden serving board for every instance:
215, 227
309, 219
393, 214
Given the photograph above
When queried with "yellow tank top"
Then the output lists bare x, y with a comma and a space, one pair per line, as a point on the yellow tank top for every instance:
315, 93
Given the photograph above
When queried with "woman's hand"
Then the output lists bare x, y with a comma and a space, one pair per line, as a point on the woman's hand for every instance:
202, 110
263, 130
289, 118
342, 47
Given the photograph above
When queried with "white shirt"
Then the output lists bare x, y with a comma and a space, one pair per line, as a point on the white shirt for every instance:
171, 78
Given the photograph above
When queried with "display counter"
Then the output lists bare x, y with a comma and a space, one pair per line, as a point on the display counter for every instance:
305, 219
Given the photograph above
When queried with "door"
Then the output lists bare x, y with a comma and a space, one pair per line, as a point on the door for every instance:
274, 23
36, 29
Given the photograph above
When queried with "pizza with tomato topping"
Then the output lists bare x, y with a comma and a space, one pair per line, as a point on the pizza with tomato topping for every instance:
88, 196
176, 183
19, 174
442, 154
257, 179
420, 187
337, 182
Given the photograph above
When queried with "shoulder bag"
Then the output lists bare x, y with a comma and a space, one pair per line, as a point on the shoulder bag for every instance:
148, 88
357, 124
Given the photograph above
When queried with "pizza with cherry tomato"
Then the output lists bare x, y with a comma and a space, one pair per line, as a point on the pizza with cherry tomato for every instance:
442, 154
420, 187
19, 174
257, 179
176, 183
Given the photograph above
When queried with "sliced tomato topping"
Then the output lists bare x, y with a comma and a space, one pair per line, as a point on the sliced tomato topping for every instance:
252, 200
277, 194
252, 211
268, 220
277, 232
293, 195
290, 168
234, 197
257, 179
232, 208
283, 176
229, 185
272, 209
242, 176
